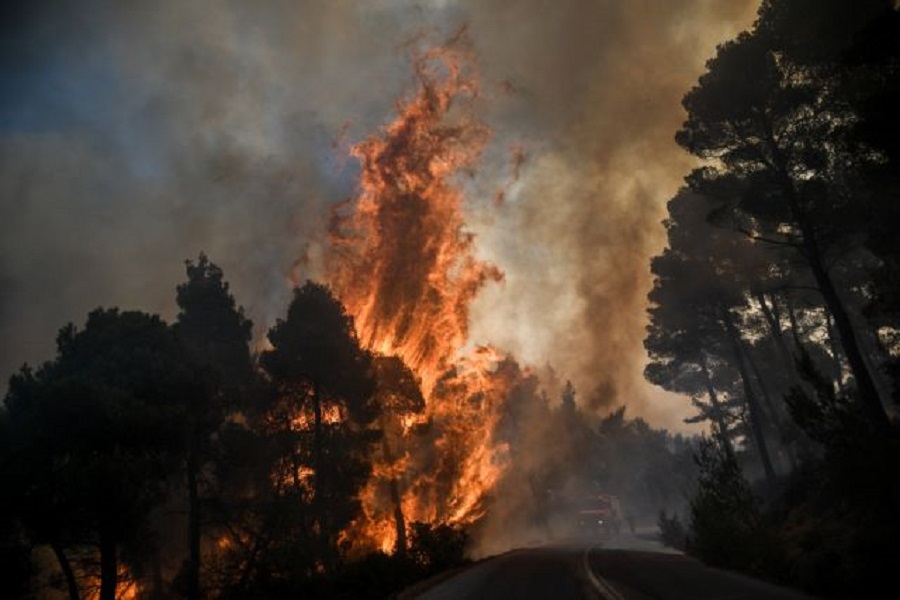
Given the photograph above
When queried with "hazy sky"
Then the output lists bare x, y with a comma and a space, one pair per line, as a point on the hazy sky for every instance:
133, 135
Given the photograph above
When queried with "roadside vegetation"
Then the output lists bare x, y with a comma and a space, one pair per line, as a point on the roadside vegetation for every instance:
775, 304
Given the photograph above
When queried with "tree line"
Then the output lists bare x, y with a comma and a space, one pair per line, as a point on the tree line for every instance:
775, 304
142, 440
158, 460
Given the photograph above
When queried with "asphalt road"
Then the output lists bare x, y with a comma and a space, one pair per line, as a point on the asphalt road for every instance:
621, 568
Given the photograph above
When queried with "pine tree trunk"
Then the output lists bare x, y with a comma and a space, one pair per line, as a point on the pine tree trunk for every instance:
396, 499
320, 480
68, 573
775, 413
778, 336
795, 328
753, 407
109, 575
868, 392
720, 426
193, 574
793, 438
787, 430
837, 363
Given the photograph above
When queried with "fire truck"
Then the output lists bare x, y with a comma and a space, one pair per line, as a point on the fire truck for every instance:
598, 515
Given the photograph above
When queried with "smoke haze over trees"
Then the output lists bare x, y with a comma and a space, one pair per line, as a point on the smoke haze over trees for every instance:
483, 263
135, 136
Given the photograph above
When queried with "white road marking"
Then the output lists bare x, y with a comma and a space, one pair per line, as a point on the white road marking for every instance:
603, 588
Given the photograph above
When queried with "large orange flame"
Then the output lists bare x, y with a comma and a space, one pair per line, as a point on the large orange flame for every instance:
400, 259
404, 266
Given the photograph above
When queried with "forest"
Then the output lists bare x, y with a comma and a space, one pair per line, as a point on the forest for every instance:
154, 459
775, 304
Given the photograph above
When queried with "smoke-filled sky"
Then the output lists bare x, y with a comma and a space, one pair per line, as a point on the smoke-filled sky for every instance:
134, 135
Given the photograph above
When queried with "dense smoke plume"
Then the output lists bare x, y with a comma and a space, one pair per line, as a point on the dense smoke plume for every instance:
135, 135
599, 86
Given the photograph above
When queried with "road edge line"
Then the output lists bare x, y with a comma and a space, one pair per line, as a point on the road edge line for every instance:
603, 588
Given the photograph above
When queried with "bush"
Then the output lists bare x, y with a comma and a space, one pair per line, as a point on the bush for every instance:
671, 532
727, 529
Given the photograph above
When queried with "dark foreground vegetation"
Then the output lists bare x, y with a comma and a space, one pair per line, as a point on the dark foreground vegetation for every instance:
153, 460
149, 460
775, 305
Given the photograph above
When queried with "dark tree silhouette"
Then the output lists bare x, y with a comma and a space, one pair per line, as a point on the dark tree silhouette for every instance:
797, 120
726, 521
216, 336
326, 379
874, 61
693, 338
93, 435
777, 131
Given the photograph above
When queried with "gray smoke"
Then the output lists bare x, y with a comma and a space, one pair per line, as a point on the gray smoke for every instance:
135, 135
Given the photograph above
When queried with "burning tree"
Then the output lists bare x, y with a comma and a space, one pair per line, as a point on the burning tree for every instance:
400, 258
325, 392
400, 401
402, 262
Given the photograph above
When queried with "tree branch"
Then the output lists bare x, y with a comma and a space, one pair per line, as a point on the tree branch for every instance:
758, 238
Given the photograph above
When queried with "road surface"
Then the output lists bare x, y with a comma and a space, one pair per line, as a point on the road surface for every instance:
621, 568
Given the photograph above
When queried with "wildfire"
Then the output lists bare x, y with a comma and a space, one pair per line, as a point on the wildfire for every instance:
303, 420
470, 403
403, 264
126, 588
400, 259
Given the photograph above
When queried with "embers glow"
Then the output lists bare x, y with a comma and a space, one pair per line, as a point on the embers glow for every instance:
304, 420
126, 587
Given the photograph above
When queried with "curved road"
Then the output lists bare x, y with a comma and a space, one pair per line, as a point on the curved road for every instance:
621, 568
